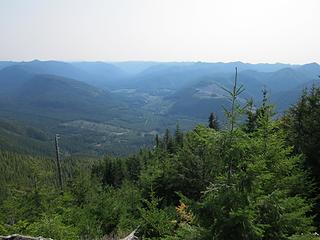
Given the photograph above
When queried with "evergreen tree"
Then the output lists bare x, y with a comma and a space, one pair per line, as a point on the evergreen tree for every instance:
302, 124
178, 136
254, 114
264, 196
166, 138
251, 121
157, 141
258, 193
213, 121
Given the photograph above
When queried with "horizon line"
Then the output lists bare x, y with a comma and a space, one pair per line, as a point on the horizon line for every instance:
156, 61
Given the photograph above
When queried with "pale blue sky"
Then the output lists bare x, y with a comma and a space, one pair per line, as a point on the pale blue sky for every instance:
163, 30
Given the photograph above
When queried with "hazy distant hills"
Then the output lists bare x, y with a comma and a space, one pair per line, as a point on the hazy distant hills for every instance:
53, 68
204, 93
4, 64
102, 74
63, 97
118, 107
95, 73
48, 95
176, 75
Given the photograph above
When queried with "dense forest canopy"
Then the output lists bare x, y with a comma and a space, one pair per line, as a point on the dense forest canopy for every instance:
255, 177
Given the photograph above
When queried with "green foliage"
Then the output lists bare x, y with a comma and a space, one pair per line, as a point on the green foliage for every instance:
306, 237
240, 183
262, 197
54, 227
156, 222
302, 126
213, 121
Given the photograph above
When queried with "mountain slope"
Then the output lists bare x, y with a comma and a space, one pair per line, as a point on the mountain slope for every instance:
53, 68
287, 98
62, 98
4, 64
174, 76
103, 74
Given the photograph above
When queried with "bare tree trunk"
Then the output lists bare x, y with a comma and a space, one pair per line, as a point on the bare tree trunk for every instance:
58, 161
131, 236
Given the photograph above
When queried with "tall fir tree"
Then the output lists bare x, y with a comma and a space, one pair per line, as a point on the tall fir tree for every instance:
213, 121
302, 124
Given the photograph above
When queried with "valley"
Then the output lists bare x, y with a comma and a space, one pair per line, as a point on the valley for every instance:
119, 107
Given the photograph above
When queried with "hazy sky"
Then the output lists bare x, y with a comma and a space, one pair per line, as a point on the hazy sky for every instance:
164, 30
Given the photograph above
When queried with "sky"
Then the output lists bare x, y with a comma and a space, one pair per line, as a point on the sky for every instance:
253, 31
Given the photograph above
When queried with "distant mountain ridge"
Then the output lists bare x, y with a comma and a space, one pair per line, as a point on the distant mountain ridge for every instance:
167, 79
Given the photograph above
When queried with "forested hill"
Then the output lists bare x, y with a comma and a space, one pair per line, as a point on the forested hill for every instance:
252, 179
